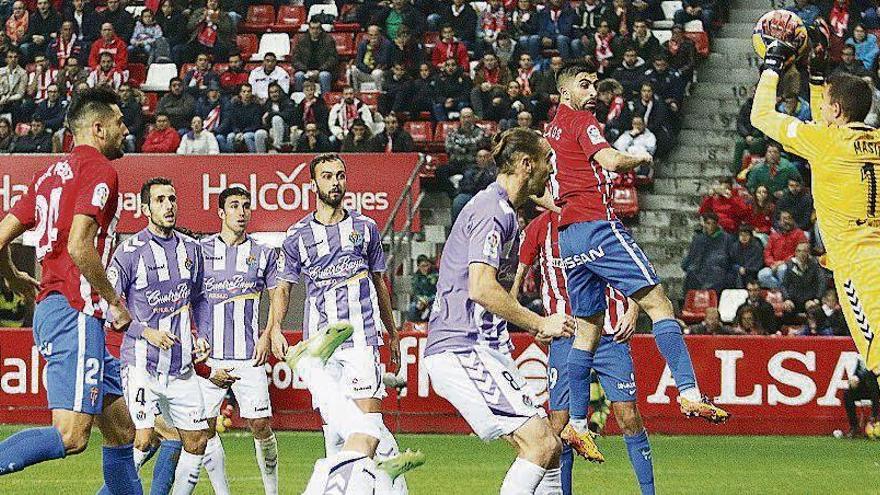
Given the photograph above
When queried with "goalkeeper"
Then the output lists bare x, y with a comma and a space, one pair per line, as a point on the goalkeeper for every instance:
844, 156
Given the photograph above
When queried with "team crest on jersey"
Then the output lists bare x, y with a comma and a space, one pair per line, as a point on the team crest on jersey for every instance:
100, 195
280, 263
251, 260
188, 264
93, 395
491, 244
356, 238
595, 135
113, 275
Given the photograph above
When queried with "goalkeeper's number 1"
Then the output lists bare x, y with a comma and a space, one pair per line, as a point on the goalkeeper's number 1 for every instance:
869, 174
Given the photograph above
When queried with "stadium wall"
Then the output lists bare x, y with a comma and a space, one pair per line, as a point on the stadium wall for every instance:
784, 386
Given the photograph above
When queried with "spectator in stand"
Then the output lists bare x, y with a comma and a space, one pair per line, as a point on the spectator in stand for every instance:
399, 14
121, 20
178, 106
245, 124
556, 28
397, 94
763, 213
600, 48
214, 110
805, 282
695, 10
109, 43
423, 291
358, 140
37, 140
708, 264
780, 248
43, 26
65, 46
643, 40
647, 9
422, 91
523, 26
747, 256
278, 115
832, 319
792, 104
656, 115
7, 137
865, 45
667, 83
17, 23
393, 139
590, 14
315, 58
764, 314
448, 47
173, 24
408, 51
610, 107
198, 141
311, 110
681, 53
545, 96
711, 325
863, 385
39, 80
774, 171
132, 117
344, 113
492, 22
234, 76
452, 89
13, 84
52, 110
527, 75
71, 76
372, 60
268, 73
211, 31
505, 107
630, 72
474, 180
639, 139
806, 11
107, 75
163, 138
86, 22
507, 51
461, 16
313, 141
197, 79
524, 120
461, 147
849, 64
748, 139
747, 322
147, 38
730, 208
798, 201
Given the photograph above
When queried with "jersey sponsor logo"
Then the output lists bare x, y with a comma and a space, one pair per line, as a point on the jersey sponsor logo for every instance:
235, 283
492, 244
590, 256
100, 195
595, 135
157, 297
345, 267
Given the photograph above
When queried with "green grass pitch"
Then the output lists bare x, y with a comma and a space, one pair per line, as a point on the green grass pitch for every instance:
463, 465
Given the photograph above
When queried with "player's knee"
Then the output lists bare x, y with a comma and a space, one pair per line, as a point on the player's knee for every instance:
550, 449
75, 440
261, 428
195, 442
628, 418
558, 420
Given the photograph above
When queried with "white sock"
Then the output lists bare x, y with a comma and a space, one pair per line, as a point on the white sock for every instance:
386, 450
267, 460
186, 476
522, 478
692, 394
139, 457
333, 441
551, 483
215, 464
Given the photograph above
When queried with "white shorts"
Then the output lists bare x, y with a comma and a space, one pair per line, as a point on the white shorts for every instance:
358, 372
251, 390
487, 389
177, 398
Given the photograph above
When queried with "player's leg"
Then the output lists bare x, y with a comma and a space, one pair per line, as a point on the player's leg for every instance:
166, 459
215, 457
637, 445
252, 392
536, 467
859, 294
180, 401
557, 381
120, 459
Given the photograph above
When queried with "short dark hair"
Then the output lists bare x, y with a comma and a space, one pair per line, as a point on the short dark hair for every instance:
606, 86
853, 94
270, 54
99, 100
229, 192
710, 215
174, 80
323, 158
774, 144
422, 259
512, 141
744, 227
572, 70
155, 181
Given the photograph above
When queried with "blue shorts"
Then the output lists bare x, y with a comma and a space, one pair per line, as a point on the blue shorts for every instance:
600, 253
612, 363
79, 370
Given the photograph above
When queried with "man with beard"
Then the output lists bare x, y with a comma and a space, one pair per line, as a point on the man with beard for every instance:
76, 297
339, 254
344, 113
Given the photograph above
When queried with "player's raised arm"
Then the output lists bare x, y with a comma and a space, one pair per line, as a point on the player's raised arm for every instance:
617, 161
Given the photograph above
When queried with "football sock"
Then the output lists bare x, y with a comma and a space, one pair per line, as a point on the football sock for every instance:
186, 476
522, 478
166, 464
551, 483
140, 457
120, 475
566, 462
214, 461
333, 442
670, 342
267, 460
386, 450
29, 447
579, 364
640, 457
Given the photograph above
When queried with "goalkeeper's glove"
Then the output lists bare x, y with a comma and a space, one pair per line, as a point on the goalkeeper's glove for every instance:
779, 55
818, 60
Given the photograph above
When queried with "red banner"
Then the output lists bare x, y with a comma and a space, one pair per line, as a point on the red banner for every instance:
279, 185
786, 386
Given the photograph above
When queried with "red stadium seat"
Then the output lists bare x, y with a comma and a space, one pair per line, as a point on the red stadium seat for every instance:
346, 27
370, 98
420, 131
137, 74
345, 46
489, 127
701, 40
258, 20
332, 98
220, 67
290, 18
695, 304
431, 40
626, 202
248, 44
360, 36
444, 128
184, 68
151, 101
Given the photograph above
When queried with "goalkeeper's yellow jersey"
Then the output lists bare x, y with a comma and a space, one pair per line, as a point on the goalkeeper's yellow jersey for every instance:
845, 163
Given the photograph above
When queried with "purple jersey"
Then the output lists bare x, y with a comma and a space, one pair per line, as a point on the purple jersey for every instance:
485, 231
161, 280
235, 277
337, 262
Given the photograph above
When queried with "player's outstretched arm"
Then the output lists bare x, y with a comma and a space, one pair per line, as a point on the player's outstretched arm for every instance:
19, 281
386, 313
617, 161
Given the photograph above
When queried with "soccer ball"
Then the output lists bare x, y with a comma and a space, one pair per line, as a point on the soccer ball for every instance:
783, 26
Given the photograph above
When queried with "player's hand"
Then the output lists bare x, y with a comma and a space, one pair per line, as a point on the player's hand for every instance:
262, 350
119, 316
626, 327
546, 201
24, 285
394, 352
779, 55
278, 343
222, 378
556, 325
817, 62
163, 339
202, 350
